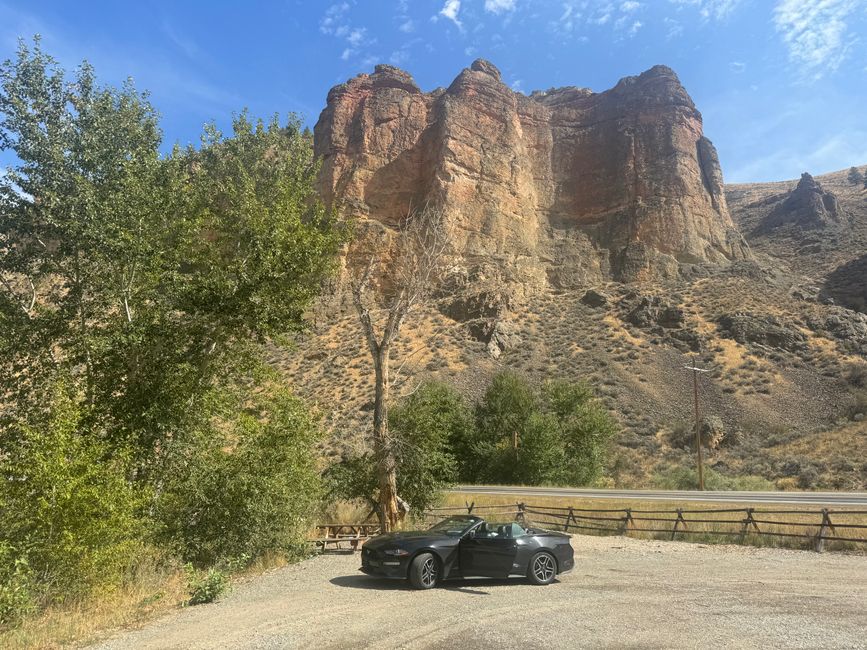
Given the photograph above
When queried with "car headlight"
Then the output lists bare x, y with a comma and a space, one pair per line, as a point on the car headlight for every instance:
395, 551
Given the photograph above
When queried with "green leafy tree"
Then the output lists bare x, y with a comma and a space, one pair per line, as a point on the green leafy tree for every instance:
424, 424
146, 284
424, 427
523, 436
251, 489
584, 428
855, 176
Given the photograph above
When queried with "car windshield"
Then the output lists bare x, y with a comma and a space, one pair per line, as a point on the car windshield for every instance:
454, 526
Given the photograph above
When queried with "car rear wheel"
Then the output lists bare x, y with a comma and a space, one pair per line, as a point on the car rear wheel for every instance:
542, 569
424, 571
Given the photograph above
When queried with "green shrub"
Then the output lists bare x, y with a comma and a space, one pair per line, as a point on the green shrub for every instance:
65, 503
247, 486
205, 586
17, 593
427, 429
686, 478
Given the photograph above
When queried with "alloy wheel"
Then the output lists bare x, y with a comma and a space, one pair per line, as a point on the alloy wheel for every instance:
429, 572
543, 568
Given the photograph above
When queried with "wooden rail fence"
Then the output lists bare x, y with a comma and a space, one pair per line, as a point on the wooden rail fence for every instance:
739, 524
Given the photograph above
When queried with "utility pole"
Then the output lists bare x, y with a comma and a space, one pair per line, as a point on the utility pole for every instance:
695, 370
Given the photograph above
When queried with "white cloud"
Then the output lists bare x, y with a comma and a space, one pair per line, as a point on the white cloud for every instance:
815, 33
356, 36
499, 6
333, 17
633, 30
675, 28
716, 9
336, 22
737, 67
408, 26
450, 10
629, 5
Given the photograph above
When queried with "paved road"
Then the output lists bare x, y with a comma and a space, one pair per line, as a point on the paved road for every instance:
848, 499
623, 593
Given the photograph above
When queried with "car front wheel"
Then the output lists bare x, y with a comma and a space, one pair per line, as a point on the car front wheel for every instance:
424, 571
542, 569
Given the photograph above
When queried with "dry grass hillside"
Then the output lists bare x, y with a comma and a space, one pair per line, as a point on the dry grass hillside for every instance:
785, 400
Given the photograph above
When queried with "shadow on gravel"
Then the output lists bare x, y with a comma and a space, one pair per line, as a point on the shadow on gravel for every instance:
471, 586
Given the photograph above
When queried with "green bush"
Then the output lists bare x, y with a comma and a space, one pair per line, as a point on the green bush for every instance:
17, 590
248, 486
559, 434
205, 586
686, 478
427, 429
65, 503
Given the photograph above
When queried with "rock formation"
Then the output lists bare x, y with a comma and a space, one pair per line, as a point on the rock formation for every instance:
808, 207
561, 188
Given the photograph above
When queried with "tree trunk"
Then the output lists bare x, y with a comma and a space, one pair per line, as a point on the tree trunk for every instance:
386, 465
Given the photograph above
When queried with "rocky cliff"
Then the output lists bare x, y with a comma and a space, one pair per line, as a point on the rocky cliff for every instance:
562, 188
809, 206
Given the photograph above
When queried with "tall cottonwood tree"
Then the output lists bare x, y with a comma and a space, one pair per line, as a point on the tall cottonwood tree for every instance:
144, 281
387, 283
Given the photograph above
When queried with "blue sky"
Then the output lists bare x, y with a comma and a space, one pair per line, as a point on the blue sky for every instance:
782, 84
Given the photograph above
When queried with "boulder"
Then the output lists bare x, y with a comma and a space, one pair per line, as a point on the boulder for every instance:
763, 330
595, 299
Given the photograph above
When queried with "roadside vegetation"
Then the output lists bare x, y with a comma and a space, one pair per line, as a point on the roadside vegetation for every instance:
141, 429
518, 433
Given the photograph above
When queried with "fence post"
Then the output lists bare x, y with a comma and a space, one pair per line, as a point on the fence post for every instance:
746, 524
826, 526
677, 522
569, 518
624, 528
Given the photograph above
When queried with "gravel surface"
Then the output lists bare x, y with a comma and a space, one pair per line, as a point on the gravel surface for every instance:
623, 593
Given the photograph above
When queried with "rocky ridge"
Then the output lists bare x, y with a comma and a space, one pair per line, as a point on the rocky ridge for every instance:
560, 189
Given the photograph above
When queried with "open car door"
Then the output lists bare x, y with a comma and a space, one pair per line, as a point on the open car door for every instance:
488, 555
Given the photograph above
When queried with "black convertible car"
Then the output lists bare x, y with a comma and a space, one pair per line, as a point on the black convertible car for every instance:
466, 546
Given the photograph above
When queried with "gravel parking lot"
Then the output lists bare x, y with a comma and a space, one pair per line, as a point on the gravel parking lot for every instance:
624, 593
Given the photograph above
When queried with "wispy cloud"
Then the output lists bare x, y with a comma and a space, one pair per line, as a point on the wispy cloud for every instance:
712, 9
499, 6
185, 44
450, 10
336, 22
816, 33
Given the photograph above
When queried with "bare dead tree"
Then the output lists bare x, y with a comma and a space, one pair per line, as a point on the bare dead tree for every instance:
387, 284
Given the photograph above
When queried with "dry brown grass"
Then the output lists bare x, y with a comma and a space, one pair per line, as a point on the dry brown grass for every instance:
155, 590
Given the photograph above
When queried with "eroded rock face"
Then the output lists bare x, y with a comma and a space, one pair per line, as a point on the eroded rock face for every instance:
808, 207
563, 188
